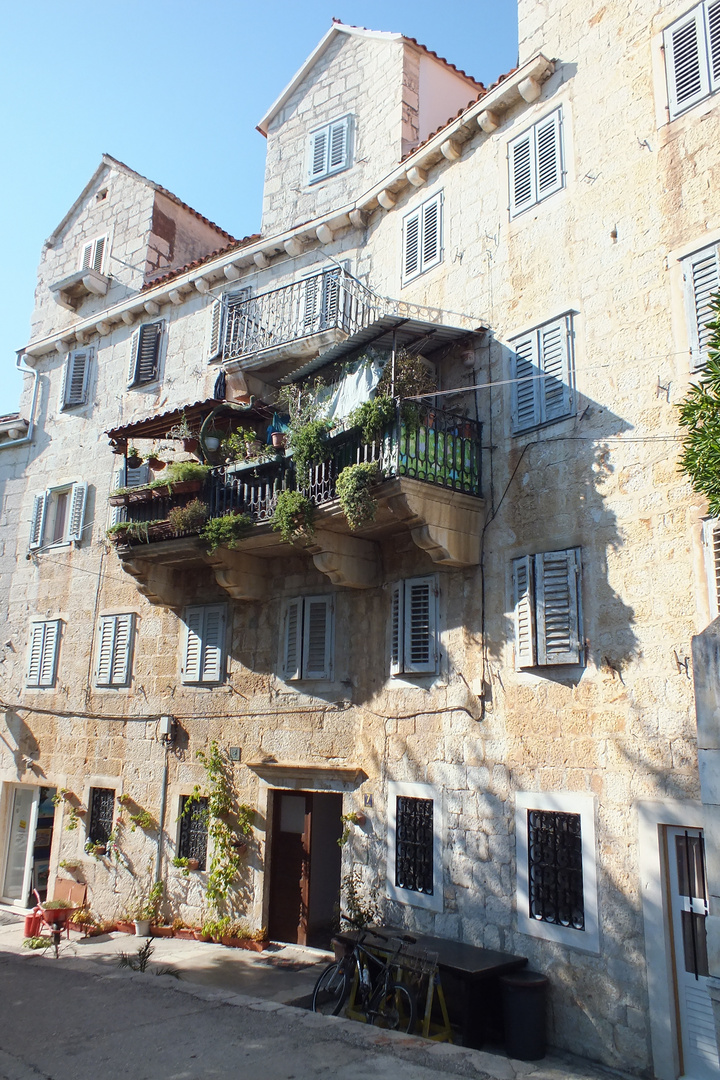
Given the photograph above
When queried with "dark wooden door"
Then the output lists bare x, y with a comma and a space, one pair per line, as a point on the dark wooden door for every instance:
290, 869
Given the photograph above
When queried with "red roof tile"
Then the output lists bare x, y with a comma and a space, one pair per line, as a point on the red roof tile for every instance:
234, 246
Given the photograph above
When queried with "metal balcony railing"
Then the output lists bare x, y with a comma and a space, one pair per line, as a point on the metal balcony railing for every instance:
423, 442
330, 300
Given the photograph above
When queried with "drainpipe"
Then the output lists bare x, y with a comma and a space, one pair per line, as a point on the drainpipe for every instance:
22, 366
161, 821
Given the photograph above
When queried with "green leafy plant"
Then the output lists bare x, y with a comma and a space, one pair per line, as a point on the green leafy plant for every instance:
69, 864
360, 904
178, 472
293, 516
96, 850
238, 445
142, 820
146, 905
37, 942
354, 492
181, 863
308, 444
217, 928
73, 818
60, 796
412, 376
226, 531
190, 518
57, 905
182, 430
352, 818
372, 417
133, 530
700, 416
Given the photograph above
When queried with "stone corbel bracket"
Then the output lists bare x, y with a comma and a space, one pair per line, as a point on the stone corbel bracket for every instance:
155, 582
346, 560
446, 524
243, 577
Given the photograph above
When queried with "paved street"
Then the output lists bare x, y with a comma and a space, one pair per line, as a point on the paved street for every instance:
81, 1017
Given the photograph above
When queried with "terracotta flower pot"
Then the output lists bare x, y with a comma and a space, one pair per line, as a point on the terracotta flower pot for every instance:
186, 933
161, 931
199, 936
193, 864
124, 927
278, 439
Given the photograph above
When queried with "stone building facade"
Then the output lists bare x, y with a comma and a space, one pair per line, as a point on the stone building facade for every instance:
496, 671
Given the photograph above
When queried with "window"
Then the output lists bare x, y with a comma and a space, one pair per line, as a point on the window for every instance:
114, 650
145, 354
413, 626
701, 275
102, 814
93, 254
548, 624
204, 644
414, 864
58, 516
541, 373
692, 56
43, 653
193, 837
329, 150
75, 381
556, 876
422, 238
127, 478
232, 326
308, 632
711, 543
535, 163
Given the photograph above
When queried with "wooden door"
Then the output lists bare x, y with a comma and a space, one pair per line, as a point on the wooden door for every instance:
290, 868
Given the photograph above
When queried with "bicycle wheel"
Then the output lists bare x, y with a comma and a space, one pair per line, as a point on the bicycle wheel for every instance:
331, 990
396, 1009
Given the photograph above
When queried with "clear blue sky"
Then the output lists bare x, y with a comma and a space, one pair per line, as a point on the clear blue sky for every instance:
174, 89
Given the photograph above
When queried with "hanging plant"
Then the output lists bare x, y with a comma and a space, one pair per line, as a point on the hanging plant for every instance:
308, 444
372, 417
226, 531
293, 516
353, 490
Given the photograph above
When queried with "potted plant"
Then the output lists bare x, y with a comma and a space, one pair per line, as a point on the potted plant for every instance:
226, 531
353, 488
145, 909
293, 516
134, 458
190, 518
183, 931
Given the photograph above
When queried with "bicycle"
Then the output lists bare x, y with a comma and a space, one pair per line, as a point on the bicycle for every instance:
365, 982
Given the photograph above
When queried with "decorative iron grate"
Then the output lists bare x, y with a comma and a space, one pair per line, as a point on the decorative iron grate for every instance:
102, 814
414, 844
555, 868
193, 830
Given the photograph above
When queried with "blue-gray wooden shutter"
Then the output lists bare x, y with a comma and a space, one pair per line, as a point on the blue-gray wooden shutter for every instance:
192, 646
557, 603
554, 386
420, 625
701, 273
396, 628
431, 232
521, 162
548, 155
686, 61
411, 245
339, 147
114, 650
215, 345
37, 521
292, 639
78, 499
317, 637
76, 377
524, 608
213, 644
318, 164
525, 373
712, 37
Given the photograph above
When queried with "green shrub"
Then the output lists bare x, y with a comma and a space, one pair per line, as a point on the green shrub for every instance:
190, 518
353, 490
293, 517
372, 417
179, 471
308, 443
226, 531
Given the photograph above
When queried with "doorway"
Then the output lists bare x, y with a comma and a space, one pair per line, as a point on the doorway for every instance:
305, 867
27, 861
688, 912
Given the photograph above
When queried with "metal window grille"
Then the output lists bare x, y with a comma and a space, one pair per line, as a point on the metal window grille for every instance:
414, 844
102, 813
193, 830
555, 868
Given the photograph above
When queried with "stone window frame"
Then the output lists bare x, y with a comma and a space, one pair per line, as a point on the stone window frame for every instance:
588, 939
399, 789
343, 123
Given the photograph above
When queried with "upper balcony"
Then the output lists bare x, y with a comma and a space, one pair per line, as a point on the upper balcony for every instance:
428, 484
292, 329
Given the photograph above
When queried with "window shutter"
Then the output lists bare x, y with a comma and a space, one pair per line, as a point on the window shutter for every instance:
293, 631
78, 498
148, 351
554, 387
548, 158
193, 645
431, 232
330, 298
317, 637
524, 612
339, 140
525, 387
216, 327
318, 153
522, 174
686, 66
556, 591
712, 32
711, 541
37, 521
76, 377
702, 282
420, 631
87, 255
312, 298
396, 628
213, 644
37, 637
134, 347
42, 665
120, 673
137, 477
98, 254
106, 641
411, 252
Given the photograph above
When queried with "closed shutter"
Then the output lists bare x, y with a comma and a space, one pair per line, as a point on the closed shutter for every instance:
554, 363
76, 377
431, 232
292, 639
213, 644
685, 60
522, 173
106, 641
313, 286
318, 154
330, 298
339, 144
556, 593
78, 498
42, 663
396, 636
193, 645
523, 600
114, 650
411, 246
37, 637
548, 156
420, 606
702, 282
711, 541
37, 521
712, 33
215, 330
99, 254
87, 255
317, 637
525, 388
144, 354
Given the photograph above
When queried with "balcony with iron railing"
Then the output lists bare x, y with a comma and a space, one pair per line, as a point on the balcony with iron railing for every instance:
429, 483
